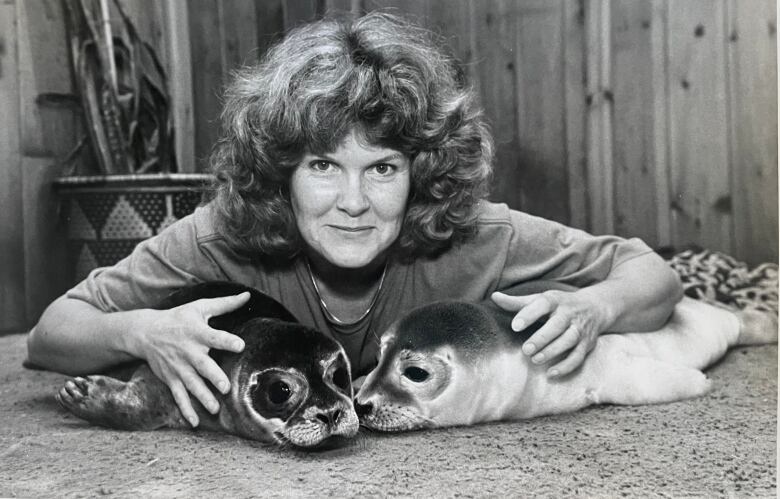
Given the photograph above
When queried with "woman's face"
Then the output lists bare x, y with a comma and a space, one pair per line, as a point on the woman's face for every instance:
349, 204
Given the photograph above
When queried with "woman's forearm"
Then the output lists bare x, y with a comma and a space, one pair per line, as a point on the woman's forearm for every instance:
638, 295
73, 337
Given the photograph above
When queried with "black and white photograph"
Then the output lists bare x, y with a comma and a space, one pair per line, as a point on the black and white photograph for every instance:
389, 248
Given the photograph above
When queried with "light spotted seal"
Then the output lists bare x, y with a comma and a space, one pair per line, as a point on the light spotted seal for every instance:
455, 363
290, 385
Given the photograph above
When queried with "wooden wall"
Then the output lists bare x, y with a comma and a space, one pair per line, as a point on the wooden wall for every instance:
653, 118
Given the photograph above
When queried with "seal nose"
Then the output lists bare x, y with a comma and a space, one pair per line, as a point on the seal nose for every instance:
331, 417
363, 409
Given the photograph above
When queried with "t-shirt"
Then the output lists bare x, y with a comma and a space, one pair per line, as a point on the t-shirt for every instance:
510, 247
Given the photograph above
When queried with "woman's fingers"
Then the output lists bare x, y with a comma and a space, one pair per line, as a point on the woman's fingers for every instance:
182, 399
212, 307
209, 369
195, 385
512, 303
572, 361
531, 308
563, 343
222, 340
555, 326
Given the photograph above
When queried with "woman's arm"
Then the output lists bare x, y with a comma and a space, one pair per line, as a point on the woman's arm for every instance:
637, 295
74, 337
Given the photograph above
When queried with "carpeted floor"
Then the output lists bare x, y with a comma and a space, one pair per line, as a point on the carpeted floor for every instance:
721, 445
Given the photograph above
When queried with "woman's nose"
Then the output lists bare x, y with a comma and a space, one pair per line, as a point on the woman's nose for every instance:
352, 197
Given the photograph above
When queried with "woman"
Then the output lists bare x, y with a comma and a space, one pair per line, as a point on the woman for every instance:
349, 186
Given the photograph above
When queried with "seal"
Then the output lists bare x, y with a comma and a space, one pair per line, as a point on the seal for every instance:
455, 363
290, 385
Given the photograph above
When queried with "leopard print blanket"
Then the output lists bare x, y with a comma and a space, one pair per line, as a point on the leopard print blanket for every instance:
719, 279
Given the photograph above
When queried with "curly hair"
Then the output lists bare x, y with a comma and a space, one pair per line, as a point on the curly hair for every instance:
379, 75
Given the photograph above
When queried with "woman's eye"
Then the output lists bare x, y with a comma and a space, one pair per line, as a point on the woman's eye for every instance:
279, 392
320, 166
416, 374
384, 169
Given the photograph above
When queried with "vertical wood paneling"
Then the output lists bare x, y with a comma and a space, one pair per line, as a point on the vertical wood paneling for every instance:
297, 12
12, 302
660, 119
205, 20
239, 35
180, 83
270, 24
541, 121
599, 117
574, 73
43, 67
633, 144
699, 137
753, 125
496, 41
46, 271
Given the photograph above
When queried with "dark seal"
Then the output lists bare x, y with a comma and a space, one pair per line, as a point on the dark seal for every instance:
290, 385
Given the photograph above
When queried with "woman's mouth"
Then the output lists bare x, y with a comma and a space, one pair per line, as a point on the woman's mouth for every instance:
348, 228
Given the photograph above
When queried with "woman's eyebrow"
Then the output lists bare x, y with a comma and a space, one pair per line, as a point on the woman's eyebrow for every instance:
390, 157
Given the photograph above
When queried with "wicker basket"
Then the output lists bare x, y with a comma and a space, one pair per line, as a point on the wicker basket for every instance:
107, 216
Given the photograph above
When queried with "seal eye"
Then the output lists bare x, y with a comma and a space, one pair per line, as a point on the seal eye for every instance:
416, 374
279, 392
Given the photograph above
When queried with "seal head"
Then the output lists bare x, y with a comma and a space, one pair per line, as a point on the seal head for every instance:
438, 357
292, 386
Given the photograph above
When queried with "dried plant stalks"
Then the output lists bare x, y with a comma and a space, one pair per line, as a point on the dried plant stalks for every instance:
122, 89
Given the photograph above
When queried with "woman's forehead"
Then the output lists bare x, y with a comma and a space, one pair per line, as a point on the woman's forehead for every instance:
358, 138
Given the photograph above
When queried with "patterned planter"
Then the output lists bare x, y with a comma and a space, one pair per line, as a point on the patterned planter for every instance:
107, 216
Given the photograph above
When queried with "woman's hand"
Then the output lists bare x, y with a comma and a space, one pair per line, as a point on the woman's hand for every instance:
573, 326
176, 343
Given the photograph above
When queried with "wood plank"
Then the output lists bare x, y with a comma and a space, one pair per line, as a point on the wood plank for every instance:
541, 179
239, 32
753, 127
207, 75
180, 83
297, 12
660, 64
12, 306
337, 7
44, 67
575, 106
599, 117
496, 42
698, 118
633, 142
47, 273
270, 24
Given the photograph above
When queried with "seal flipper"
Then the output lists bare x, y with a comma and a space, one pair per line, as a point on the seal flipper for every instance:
636, 380
143, 403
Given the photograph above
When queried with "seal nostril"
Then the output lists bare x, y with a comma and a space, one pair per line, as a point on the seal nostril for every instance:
336, 416
363, 409
324, 418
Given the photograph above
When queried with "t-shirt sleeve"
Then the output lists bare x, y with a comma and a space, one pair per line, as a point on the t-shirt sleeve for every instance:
156, 267
541, 249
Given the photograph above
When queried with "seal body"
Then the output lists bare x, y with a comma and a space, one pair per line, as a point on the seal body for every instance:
290, 384
455, 363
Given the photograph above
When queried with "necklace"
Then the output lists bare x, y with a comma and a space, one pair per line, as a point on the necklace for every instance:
329, 315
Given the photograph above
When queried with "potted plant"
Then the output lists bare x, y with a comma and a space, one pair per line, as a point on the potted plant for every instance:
120, 184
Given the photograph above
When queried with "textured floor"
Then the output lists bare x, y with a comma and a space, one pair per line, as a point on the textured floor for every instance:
721, 445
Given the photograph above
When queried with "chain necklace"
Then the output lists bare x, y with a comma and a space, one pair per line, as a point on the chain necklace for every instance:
329, 315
